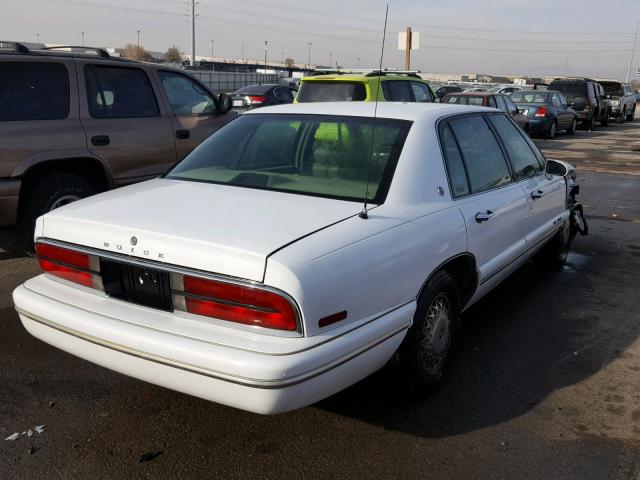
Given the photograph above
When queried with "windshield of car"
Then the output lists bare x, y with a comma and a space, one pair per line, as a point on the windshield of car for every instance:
477, 100
530, 97
257, 89
318, 91
612, 88
319, 155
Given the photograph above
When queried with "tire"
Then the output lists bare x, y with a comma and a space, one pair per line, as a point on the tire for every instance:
605, 120
44, 194
551, 133
572, 129
554, 254
623, 116
590, 125
425, 352
631, 116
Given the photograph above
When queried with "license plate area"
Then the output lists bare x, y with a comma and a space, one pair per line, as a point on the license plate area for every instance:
140, 285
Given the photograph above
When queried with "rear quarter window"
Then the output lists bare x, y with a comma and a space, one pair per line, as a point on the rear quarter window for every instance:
34, 91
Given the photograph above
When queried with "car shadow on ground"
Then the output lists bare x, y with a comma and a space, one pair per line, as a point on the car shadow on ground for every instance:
8, 247
536, 333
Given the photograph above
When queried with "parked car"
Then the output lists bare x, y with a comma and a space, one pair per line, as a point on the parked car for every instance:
548, 112
251, 274
506, 89
622, 98
364, 86
587, 98
475, 89
77, 123
493, 100
447, 89
253, 96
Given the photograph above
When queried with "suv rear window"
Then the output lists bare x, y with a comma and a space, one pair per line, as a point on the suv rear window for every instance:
331, 92
570, 88
116, 92
33, 91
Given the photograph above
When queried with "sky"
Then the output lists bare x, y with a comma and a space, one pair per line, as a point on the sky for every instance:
517, 37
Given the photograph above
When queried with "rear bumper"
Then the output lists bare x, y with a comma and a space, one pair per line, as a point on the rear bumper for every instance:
539, 125
265, 383
9, 194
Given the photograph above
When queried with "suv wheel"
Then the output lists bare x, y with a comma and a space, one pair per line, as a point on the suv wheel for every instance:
425, 352
623, 115
605, 120
551, 134
46, 194
631, 115
572, 129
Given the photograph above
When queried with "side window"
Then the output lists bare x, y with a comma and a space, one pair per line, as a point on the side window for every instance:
117, 92
486, 166
511, 107
454, 163
563, 101
421, 92
185, 95
492, 102
500, 101
555, 100
523, 160
396, 91
33, 91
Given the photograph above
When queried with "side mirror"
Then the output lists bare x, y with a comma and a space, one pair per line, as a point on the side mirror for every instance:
554, 167
225, 103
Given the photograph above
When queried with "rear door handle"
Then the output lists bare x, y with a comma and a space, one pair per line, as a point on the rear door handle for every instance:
484, 216
537, 194
100, 140
183, 134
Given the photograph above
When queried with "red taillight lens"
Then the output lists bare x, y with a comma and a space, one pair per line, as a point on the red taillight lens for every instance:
64, 263
541, 112
240, 304
257, 99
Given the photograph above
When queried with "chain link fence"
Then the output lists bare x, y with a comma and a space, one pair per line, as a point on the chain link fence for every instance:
226, 82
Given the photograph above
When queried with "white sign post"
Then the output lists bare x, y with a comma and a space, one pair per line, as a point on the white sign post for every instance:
408, 41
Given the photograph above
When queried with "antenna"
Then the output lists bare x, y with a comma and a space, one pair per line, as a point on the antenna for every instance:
364, 214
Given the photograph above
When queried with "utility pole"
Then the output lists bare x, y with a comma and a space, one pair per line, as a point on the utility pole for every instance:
243, 51
282, 58
358, 62
212, 54
309, 58
38, 37
138, 51
408, 52
265, 55
330, 59
83, 41
193, 33
633, 52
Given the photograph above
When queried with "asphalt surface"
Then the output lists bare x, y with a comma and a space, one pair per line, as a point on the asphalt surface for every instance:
545, 383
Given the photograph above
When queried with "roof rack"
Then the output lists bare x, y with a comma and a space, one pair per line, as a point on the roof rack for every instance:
99, 51
15, 46
368, 72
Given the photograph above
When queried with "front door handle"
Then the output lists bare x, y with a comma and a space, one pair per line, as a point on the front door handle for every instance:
537, 194
183, 134
100, 140
484, 216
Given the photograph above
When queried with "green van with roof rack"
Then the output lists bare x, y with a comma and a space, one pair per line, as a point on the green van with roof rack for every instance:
364, 86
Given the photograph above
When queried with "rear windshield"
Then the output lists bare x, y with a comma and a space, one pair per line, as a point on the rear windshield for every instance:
530, 97
568, 88
331, 92
326, 156
465, 99
259, 89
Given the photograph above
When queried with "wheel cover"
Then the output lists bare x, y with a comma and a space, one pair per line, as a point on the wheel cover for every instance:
436, 334
64, 200
552, 131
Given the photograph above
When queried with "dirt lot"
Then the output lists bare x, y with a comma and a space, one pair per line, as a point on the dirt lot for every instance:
545, 383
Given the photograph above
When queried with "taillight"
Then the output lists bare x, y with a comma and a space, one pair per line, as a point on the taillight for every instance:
587, 104
71, 265
257, 99
234, 303
541, 112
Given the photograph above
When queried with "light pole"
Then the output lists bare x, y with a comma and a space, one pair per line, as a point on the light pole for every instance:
330, 59
282, 58
212, 54
265, 55
138, 51
358, 62
633, 52
38, 37
309, 58
82, 41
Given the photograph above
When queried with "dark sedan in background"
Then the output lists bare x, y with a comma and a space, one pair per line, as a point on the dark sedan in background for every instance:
547, 111
494, 100
253, 96
446, 90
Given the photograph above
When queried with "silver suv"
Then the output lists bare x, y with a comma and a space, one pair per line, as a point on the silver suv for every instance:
76, 121
623, 100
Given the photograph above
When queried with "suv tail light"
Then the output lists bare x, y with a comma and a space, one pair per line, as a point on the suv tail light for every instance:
587, 104
71, 265
541, 112
254, 99
234, 303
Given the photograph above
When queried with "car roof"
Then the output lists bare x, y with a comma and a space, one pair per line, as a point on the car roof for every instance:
362, 77
395, 110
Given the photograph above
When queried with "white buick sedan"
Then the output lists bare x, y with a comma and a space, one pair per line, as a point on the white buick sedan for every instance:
250, 275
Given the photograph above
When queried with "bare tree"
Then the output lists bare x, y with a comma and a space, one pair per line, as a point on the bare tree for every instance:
289, 62
173, 55
132, 51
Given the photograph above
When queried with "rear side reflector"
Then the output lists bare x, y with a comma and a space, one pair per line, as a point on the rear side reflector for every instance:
237, 303
336, 317
67, 264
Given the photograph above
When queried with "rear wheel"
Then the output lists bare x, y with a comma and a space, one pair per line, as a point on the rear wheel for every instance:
572, 129
605, 120
425, 352
551, 133
623, 116
632, 115
45, 194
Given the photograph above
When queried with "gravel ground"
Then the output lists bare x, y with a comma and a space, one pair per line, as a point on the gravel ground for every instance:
544, 385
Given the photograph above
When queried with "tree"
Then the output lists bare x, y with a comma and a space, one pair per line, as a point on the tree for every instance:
131, 51
289, 62
173, 55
